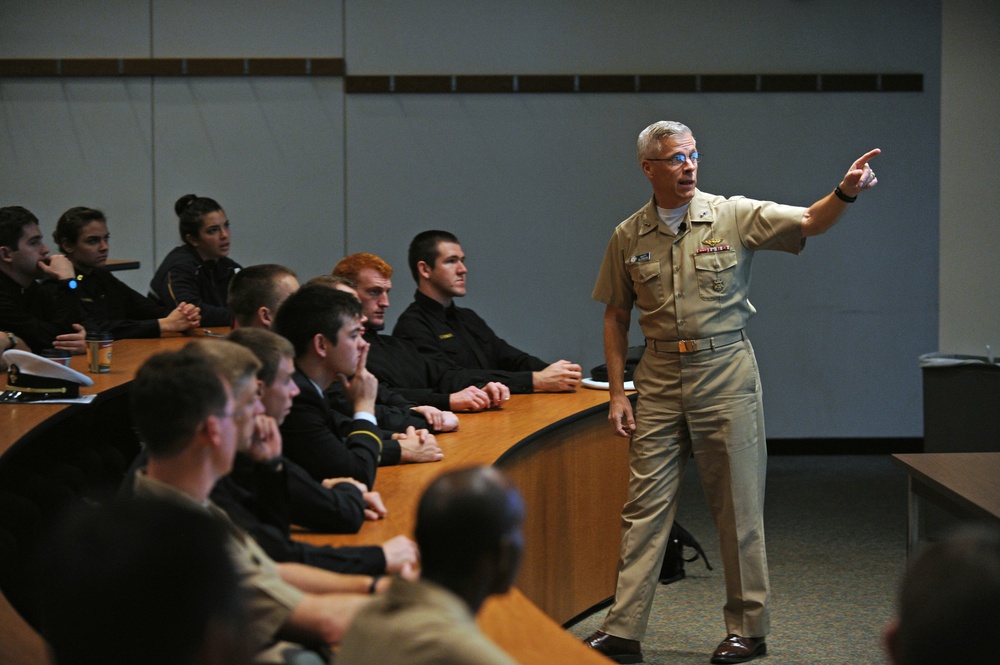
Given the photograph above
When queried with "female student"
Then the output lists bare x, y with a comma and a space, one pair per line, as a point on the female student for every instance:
109, 304
199, 271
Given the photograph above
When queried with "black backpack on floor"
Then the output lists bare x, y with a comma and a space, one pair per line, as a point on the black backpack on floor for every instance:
673, 560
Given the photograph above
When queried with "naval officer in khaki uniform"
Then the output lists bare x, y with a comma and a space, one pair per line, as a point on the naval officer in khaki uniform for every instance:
684, 261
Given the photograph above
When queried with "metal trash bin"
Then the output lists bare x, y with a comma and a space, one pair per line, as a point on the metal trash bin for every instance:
961, 403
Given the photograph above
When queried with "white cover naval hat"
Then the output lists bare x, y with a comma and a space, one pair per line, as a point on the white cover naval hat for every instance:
31, 378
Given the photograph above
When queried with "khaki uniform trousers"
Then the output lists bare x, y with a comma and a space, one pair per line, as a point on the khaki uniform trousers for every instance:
708, 402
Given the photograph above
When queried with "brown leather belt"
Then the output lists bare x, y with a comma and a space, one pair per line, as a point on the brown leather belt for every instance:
692, 345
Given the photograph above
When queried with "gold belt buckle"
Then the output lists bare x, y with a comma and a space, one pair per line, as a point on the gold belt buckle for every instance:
687, 346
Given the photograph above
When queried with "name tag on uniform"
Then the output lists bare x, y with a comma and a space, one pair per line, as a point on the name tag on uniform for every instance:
639, 258
446, 336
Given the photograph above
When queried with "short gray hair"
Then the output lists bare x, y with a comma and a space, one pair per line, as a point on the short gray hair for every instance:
649, 139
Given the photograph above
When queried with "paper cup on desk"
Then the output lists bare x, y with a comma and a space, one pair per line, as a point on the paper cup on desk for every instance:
60, 356
99, 347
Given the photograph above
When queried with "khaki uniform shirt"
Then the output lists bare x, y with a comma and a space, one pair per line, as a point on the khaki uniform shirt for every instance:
694, 285
271, 599
418, 623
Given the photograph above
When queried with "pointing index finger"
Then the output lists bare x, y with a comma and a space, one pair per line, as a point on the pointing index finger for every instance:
865, 158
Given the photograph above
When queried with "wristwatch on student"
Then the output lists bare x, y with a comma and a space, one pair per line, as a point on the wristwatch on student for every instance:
12, 338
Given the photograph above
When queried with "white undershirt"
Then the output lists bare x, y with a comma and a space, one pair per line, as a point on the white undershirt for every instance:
673, 217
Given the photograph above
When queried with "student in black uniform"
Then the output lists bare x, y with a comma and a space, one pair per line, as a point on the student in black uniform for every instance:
34, 315
199, 271
457, 335
109, 304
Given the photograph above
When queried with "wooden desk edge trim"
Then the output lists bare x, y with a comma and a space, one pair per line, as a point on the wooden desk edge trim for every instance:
58, 417
551, 427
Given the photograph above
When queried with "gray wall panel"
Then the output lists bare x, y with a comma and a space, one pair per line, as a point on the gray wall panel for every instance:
970, 179
270, 151
74, 29
533, 184
533, 187
78, 142
639, 36
250, 28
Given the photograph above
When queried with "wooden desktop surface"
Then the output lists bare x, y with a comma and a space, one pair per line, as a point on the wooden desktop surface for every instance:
970, 482
557, 449
114, 265
126, 356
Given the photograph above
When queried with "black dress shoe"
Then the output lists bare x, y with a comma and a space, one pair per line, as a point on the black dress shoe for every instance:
739, 649
617, 649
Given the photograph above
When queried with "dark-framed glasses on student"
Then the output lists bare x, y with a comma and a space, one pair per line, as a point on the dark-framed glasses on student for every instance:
678, 159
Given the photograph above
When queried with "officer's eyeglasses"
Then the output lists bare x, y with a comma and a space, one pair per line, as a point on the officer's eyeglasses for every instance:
676, 160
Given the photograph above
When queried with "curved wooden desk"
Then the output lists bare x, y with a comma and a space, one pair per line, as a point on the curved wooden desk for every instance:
557, 449
24, 423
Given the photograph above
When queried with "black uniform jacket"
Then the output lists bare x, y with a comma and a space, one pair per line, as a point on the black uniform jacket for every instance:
40, 313
186, 277
422, 378
112, 306
312, 439
459, 337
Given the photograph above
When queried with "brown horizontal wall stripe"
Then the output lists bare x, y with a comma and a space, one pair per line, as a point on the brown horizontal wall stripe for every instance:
102, 67
326, 66
90, 67
668, 83
215, 67
151, 67
607, 83
484, 84
902, 83
367, 84
277, 67
728, 83
850, 82
789, 83
541, 83
28, 67
422, 83
462, 83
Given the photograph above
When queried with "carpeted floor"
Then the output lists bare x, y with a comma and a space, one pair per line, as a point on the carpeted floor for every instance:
836, 540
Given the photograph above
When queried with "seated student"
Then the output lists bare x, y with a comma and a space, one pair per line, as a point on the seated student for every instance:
949, 601
469, 534
324, 327
456, 334
111, 305
192, 420
394, 411
199, 271
400, 364
141, 581
42, 316
256, 293
266, 492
